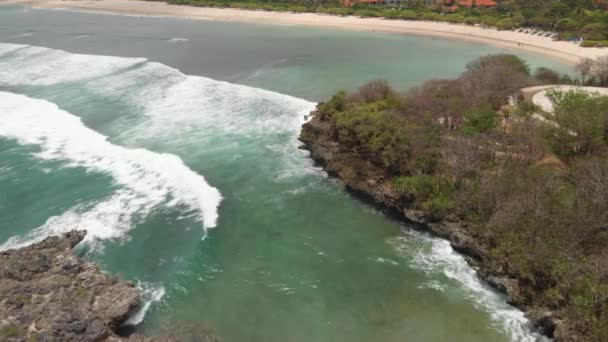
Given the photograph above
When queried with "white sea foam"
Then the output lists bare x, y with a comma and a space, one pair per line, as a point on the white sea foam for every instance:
442, 264
145, 179
150, 294
44, 66
175, 103
8, 48
172, 104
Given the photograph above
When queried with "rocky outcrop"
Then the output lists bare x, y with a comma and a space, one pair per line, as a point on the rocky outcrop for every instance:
49, 294
372, 183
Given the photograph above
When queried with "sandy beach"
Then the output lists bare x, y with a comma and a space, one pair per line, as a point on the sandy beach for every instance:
565, 51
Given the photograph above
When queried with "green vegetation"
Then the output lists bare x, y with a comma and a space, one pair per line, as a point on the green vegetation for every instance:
572, 19
82, 293
10, 330
583, 124
23, 299
534, 194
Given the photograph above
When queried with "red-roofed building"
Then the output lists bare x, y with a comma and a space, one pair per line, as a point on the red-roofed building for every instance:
349, 3
477, 3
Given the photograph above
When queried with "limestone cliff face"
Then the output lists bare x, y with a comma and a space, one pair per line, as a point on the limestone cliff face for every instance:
49, 294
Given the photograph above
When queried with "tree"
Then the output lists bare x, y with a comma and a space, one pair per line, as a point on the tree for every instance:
492, 79
507, 60
584, 68
594, 31
582, 120
566, 24
600, 70
547, 76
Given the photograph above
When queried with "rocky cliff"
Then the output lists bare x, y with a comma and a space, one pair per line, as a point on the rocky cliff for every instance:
49, 294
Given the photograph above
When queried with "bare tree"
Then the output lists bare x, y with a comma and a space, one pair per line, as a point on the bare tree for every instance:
591, 178
376, 90
584, 68
600, 69
463, 155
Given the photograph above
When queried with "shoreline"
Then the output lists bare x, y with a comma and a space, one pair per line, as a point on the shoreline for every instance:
561, 50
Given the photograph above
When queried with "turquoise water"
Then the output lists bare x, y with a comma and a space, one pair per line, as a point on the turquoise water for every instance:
194, 187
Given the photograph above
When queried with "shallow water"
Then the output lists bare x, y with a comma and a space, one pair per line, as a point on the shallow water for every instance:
195, 189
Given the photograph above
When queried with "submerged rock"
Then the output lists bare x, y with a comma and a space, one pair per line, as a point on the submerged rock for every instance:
49, 294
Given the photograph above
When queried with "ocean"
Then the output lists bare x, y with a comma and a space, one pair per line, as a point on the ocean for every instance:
173, 142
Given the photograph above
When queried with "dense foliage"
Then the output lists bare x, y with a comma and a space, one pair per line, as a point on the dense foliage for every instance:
572, 19
534, 192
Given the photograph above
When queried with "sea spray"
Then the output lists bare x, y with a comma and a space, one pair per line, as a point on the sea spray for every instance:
151, 293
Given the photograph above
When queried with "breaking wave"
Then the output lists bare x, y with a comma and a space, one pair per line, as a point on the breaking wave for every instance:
442, 264
146, 179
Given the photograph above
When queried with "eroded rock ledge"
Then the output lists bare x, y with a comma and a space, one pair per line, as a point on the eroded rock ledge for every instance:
49, 294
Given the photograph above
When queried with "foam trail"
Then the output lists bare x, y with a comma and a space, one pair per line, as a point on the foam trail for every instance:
436, 257
44, 66
150, 294
146, 179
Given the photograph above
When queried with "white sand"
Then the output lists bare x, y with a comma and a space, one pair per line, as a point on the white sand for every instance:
565, 51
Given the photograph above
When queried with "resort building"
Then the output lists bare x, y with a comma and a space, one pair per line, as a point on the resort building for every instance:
455, 4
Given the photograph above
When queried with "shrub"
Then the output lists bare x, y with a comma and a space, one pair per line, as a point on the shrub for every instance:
471, 20
431, 16
373, 91
380, 137
582, 120
488, 20
431, 195
506, 24
10, 330
481, 120
336, 104
567, 24
594, 43
454, 18
439, 206
297, 9
408, 15
422, 187
594, 31
546, 76
512, 62
367, 13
